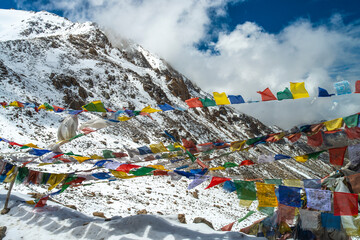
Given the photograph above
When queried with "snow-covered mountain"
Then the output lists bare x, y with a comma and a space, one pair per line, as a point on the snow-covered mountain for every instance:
46, 58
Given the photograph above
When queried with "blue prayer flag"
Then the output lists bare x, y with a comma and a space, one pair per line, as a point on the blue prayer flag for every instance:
74, 112
185, 174
324, 93
101, 163
170, 136
281, 156
290, 196
229, 186
144, 150
166, 107
101, 175
329, 221
342, 87
236, 99
38, 152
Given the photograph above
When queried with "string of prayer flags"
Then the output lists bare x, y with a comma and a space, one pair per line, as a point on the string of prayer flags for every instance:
208, 102
289, 196
276, 182
217, 180
342, 87
345, 204
38, 152
298, 90
324, 93
142, 171
351, 225
221, 98
94, 106
267, 95
245, 190
236, 99
352, 133
166, 107
266, 195
230, 164
237, 145
144, 150
286, 94
16, 104
333, 124
281, 156
318, 199
194, 102
337, 155
246, 216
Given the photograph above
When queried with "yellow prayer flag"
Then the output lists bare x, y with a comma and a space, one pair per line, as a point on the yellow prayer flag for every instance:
149, 109
333, 124
42, 106
266, 195
124, 118
237, 146
96, 157
245, 203
10, 175
31, 202
178, 145
120, 174
14, 104
55, 179
302, 158
298, 90
158, 148
221, 98
217, 168
293, 183
81, 159
158, 167
31, 145
44, 164
279, 136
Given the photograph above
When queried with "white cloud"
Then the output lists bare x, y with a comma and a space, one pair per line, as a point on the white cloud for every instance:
249, 59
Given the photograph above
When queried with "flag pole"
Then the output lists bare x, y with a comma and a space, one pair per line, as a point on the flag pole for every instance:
6, 209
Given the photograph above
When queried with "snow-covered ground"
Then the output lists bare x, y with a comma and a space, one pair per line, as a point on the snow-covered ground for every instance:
57, 222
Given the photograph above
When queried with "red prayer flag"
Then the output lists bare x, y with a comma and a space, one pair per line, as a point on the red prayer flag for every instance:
337, 155
267, 95
357, 86
246, 163
294, 137
126, 167
345, 204
119, 154
352, 133
227, 227
194, 102
75, 181
87, 130
201, 164
160, 173
42, 201
217, 180
15, 144
315, 140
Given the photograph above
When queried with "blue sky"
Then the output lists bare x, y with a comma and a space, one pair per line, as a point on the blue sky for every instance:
239, 46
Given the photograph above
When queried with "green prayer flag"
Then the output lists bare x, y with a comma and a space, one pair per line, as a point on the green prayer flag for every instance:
45, 178
96, 106
230, 164
245, 189
266, 210
136, 113
274, 181
108, 154
142, 171
64, 187
24, 147
192, 157
314, 155
23, 172
48, 106
171, 148
253, 140
351, 121
286, 94
246, 216
207, 102
77, 136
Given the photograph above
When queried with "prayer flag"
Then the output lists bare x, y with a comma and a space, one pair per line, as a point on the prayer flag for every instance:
354, 182
342, 87
298, 90
281, 156
81, 159
286, 214
266, 195
309, 219
149, 109
229, 186
245, 190
38, 152
357, 86
194, 102
337, 155
294, 137
16, 104
286, 94
58, 109
227, 227
230, 165
236, 99
312, 183
333, 124
331, 222
274, 181
158, 148
293, 183
124, 118
142, 171
55, 179
352, 133
166, 107
207, 102
126, 167
237, 146
42, 201
221, 98
315, 140
94, 106
246, 163
302, 158
351, 121
144, 150
318, 199
324, 93
345, 204
101, 175
217, 180
290, 196
267, 95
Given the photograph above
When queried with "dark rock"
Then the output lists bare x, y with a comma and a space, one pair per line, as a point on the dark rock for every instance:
141, 212
99, 214
203, 220
2, 232
181, 218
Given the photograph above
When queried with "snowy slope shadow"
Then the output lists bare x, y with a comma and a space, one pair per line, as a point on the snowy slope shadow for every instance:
55, 221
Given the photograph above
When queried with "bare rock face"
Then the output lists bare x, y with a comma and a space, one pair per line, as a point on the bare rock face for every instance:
182, 218
99, 214
203, 220
2, 232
